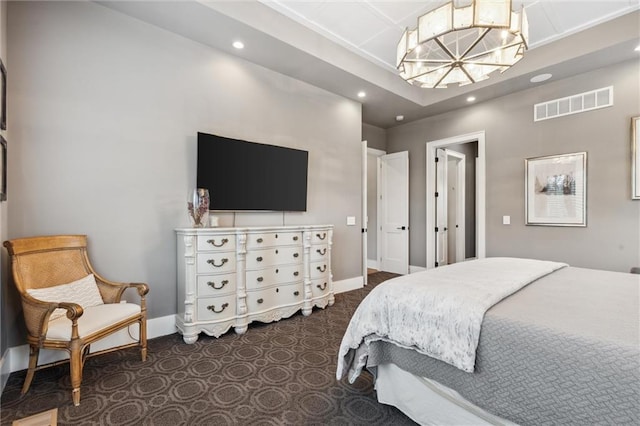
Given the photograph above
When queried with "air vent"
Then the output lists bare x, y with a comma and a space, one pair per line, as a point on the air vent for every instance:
587, 101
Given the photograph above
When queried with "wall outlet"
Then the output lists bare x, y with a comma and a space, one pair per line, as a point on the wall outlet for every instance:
506, 220
351, 220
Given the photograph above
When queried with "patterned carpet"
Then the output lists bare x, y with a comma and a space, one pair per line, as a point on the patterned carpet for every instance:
281, 373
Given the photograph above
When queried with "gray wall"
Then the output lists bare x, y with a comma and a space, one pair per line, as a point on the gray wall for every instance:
104, 115
611, 239
376, 137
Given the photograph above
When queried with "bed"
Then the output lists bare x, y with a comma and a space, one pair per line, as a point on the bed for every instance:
555, 344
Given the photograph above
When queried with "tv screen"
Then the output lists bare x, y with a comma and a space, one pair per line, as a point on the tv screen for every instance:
242, 175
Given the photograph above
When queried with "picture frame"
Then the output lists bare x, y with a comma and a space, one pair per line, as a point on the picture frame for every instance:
556, 190
3, 97
3, 172
635, 158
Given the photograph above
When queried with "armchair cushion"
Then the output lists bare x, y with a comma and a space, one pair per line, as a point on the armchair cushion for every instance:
84, 292
94, 318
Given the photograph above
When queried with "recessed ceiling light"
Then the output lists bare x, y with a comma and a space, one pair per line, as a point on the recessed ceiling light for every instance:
399, 117
238, 44
637, 49
361, 94
540, 77
471, 98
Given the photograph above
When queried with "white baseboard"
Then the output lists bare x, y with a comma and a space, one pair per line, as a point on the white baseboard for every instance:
372, 263
413, 269
4, 370
17, 357
348, 285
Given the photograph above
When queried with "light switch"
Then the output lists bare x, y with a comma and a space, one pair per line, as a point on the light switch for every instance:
351, 220
506, 220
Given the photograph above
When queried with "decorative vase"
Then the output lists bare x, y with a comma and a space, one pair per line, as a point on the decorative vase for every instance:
198, 207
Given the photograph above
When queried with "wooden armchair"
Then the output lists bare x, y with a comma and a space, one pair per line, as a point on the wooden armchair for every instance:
45, 268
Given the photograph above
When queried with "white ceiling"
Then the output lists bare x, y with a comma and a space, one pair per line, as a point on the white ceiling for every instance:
372, 28
349, 46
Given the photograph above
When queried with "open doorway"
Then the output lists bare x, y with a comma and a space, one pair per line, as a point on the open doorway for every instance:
455, 199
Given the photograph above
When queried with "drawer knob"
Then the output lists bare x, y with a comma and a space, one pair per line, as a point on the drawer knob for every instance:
259, 258
223, 242
322, 268
276, 251
296, 273
321, 237
322, 287
212, 308
260, 279
260, 300
296, 293
222, 284
259, 240
217, 265
322, 252
295, 255
295, 238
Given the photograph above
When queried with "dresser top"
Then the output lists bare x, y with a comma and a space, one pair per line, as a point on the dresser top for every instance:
251, 229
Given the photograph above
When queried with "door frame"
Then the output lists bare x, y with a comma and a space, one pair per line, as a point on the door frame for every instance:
431, 147
366, 152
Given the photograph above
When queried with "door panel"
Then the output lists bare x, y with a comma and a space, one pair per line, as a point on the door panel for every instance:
394, 212
441, 207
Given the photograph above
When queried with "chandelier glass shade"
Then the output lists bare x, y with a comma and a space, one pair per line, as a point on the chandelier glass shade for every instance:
462, 42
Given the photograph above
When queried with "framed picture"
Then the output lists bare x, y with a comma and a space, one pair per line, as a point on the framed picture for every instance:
3, 172
3, 97
635, 158
556, 190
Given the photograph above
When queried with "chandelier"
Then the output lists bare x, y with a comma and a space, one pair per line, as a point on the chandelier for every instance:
462, 42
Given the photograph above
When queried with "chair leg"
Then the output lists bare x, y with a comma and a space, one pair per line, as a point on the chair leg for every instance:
33, 363
143, 339
76, 361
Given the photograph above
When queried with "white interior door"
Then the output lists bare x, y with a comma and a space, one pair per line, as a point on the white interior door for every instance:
442, 178
456, 198
450, 207
394, 212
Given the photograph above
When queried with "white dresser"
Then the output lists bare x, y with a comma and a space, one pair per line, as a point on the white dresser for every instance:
229, 277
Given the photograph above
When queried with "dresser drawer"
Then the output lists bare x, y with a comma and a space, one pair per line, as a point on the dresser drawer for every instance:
319, 270
273, 256
216, 242
319, 288
270, 239
319, 253
216, 308
215, 262
216, 285
260, 300
319, 237
274, 275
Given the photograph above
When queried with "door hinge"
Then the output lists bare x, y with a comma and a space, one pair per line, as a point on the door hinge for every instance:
437, 159
436, 195
436, 229
436, 264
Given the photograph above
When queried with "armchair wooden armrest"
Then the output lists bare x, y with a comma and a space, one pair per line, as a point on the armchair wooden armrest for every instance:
37, 313
112, 291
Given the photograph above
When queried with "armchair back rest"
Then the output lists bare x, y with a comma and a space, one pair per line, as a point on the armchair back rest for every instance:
41, 262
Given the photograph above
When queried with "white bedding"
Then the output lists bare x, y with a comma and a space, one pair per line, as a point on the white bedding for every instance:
437, 312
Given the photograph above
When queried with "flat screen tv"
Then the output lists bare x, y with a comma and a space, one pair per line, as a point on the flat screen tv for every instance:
242, 175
